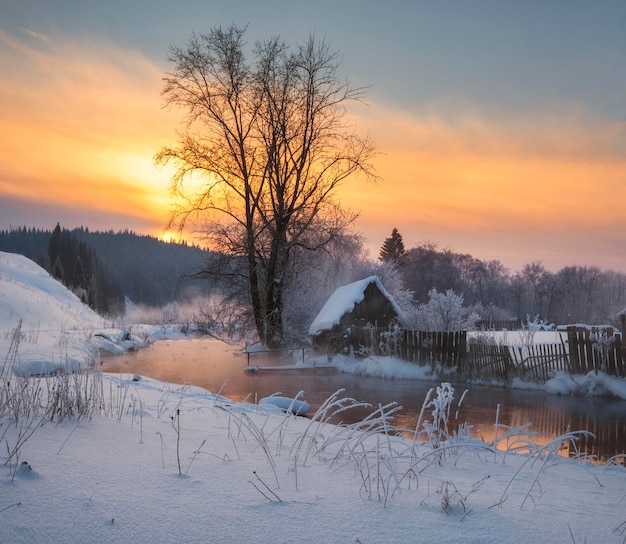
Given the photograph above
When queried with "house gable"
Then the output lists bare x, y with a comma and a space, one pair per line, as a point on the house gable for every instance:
359, 303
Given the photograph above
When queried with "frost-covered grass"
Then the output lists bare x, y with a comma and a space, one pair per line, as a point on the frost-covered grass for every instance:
162, 463
156, 462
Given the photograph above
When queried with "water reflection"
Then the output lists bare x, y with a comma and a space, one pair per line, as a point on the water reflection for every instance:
218, 367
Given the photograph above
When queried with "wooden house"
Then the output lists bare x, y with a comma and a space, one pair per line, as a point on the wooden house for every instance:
357, 305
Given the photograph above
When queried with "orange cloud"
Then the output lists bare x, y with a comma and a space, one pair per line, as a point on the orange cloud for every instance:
80, 126
476, 184
81, 122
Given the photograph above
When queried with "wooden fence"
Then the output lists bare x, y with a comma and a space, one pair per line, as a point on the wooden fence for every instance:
585, 351
487, 362
539, 362
595, 349
446, 348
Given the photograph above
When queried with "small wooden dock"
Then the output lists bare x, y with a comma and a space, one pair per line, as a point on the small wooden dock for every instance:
295, 369
300, 367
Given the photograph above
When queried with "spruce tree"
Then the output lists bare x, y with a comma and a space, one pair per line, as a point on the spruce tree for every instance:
392, 248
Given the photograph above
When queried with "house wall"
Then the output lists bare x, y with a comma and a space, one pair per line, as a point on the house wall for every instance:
375, 309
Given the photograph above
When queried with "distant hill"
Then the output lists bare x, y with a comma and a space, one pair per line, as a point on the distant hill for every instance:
150, 271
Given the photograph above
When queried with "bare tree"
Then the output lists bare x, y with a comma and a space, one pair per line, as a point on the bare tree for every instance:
264, 149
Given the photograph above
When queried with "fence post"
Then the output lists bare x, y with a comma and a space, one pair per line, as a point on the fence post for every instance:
622, 352
620, 355
460, 347
572, 340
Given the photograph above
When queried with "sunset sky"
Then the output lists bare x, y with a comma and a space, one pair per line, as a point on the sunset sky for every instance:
501, 125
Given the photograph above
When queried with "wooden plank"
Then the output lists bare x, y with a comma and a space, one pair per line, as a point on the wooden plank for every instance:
589, 352
618, 352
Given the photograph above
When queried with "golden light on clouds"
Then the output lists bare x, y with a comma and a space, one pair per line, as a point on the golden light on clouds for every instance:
80, 126
81, 123
466, 180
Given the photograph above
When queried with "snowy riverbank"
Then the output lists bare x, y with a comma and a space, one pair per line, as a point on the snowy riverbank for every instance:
58, 330
591, 384
156, 462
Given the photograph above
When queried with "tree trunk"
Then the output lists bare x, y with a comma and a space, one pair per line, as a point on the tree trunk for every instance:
255, 295
276, 269
274, 328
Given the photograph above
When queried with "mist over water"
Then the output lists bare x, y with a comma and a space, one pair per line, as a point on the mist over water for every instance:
219, 367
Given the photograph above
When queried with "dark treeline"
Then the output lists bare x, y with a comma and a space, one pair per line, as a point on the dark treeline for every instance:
152, 272
149, 271
573, 294
30, 242
75, 264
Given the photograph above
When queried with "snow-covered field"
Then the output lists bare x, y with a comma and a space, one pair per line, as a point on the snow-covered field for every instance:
158, 462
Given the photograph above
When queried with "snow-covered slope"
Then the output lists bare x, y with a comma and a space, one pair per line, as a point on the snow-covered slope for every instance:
29, 293
56, 326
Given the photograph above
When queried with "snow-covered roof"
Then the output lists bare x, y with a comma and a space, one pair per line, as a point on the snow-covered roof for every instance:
343, 301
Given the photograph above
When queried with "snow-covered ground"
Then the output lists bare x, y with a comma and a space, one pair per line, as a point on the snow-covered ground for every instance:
167, 463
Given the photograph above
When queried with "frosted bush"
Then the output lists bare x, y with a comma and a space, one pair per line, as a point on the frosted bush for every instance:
443, 312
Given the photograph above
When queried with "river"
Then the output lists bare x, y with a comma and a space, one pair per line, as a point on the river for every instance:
217, 367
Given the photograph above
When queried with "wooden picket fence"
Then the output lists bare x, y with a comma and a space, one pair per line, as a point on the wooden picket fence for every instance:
539, 362
487, 362
596, 349
445, 348
585, 351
